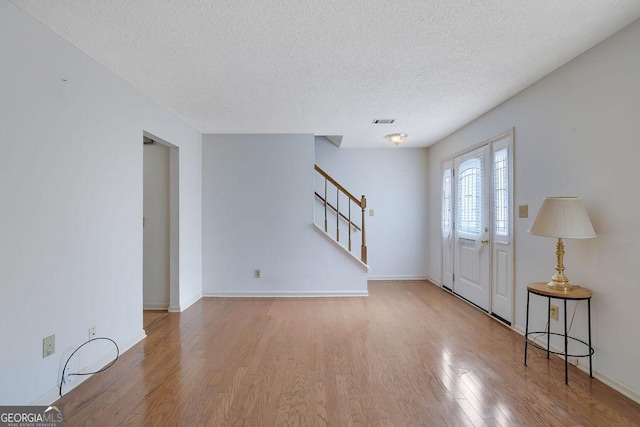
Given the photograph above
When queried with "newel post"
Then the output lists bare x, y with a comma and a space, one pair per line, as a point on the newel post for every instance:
363, 248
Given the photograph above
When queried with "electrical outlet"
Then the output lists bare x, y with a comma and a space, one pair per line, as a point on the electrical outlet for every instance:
48, 346
554, 312
92, 332
66, 377
257, 274
523, 211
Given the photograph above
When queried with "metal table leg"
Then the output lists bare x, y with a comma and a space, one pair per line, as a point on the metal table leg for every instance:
548, 325
526, 331
566, 347
589, 326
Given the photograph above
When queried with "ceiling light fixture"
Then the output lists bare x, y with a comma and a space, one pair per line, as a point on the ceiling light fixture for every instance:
396, 138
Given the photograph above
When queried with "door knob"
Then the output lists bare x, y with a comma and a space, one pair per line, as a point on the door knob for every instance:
484, 240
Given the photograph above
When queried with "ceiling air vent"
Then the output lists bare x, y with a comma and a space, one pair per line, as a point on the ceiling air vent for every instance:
383, 121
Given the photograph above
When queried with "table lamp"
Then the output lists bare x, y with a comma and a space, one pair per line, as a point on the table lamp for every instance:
563, 218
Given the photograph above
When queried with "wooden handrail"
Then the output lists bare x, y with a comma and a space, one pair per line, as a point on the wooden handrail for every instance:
338, 186
353, 224
361, 203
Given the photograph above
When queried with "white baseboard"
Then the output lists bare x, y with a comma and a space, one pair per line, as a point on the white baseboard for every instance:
287, 294
598, 375
518, 329
52, 395
614, 384
434, 281
155, 306
397, 278
189, 301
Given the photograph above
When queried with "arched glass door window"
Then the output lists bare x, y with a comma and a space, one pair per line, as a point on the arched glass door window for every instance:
470, 196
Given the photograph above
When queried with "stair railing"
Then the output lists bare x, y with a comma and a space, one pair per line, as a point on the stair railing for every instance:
361, 203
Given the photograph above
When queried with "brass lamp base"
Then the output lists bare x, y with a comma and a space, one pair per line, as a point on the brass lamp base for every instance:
559, 281
560, 286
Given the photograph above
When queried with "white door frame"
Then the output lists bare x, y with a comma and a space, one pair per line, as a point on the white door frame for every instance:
502, 248
174, 229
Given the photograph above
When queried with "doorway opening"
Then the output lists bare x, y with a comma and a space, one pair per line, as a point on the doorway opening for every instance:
160, 229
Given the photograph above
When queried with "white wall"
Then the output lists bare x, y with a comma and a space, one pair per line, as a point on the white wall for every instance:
576, 133
155, 275
258, 214
394, 180
71, 220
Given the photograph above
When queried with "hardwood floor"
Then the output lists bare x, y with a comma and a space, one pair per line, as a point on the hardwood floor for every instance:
410, 354
151, 316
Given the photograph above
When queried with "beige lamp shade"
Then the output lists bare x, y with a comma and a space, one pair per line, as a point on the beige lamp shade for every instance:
563, 217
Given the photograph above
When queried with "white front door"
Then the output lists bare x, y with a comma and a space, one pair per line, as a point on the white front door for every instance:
472, 252
477, 226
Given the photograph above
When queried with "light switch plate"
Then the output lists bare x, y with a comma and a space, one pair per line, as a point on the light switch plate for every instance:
48, 346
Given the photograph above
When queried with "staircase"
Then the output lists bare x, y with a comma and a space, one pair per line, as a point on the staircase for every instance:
333, 210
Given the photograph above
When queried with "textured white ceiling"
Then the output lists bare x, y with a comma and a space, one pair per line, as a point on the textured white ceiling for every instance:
330, 67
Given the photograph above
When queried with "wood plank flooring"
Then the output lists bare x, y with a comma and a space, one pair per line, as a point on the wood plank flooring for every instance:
410, 354
151, 316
